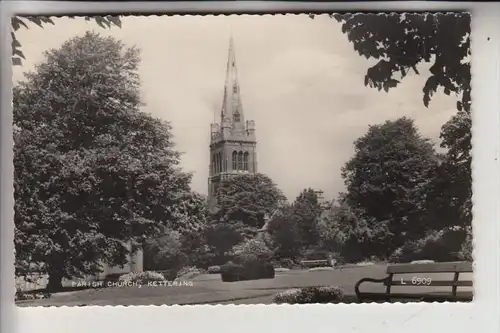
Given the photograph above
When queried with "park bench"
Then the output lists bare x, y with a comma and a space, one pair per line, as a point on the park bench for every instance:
411, 276
315, 263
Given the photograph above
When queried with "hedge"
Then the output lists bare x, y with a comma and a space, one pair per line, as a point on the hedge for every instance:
310, 295
250, 270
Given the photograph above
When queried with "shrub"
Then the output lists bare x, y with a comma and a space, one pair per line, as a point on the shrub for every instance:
439, 246
248, 270
465, 252
365, 263
213, 270
251, 249
169, 274
287, 263
309, 295
289, 296
114, 277
141, 277
422, 262
281, 269
324, 268
30, 295
188, 272
231, 272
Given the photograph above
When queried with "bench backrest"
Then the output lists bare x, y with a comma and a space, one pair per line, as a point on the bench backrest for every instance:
441, 267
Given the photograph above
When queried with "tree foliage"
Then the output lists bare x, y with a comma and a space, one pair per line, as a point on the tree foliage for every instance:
165, 252
19, 22
92, 172
387, 180
306, 211
351, 234
456, 136
248, 199
252, 249
285, 233
400, 42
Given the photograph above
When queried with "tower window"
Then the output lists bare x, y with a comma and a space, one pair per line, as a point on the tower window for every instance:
213, 165
235, 89
245, 161
236, 116
235, 160
216, 169
240, 160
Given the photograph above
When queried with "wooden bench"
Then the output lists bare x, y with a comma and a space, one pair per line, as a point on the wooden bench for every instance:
315, 263
419, 276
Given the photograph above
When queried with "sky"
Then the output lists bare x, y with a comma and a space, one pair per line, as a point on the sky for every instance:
300, 79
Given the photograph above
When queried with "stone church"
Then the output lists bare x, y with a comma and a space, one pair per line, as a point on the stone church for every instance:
232, 141
232, 149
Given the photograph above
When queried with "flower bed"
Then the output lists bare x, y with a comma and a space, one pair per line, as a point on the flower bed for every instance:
141, 277
213, 270
310, 295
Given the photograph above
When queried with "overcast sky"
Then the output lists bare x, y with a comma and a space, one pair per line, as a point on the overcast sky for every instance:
301, 81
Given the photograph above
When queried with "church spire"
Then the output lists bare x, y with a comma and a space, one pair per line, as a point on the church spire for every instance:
233, 144
232, 110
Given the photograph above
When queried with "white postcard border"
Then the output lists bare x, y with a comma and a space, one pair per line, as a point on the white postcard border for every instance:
481, 315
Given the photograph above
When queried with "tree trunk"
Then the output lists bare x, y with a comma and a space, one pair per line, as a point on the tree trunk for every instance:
55, 281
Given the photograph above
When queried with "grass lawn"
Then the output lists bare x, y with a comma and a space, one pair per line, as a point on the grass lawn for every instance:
209, 289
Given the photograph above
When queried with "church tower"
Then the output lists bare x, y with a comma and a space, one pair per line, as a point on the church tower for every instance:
232, 140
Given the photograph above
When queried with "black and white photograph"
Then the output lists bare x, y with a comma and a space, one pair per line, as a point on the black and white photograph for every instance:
242, 159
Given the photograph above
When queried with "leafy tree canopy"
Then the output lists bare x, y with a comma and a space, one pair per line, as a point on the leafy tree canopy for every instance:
18, 22
306, 212
284, 232
450, 197
248, 199
92, 172
400, 42
388, 177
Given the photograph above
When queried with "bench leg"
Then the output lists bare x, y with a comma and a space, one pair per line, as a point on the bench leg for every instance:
454, 288
386, 281
388, 287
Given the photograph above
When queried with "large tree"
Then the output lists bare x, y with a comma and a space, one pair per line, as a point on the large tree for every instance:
351, 234
306, 212
93, 173
387, 179
400, 43
248, 199
23, 21
285, 234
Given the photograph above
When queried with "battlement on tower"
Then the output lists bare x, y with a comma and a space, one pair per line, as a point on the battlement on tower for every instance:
223, 133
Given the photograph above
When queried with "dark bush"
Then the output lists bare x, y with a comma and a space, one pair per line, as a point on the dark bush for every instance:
170, 274
213, 270
231, 272
114, 277
248, 270
439, 246
22, 295
311, 295
287, 263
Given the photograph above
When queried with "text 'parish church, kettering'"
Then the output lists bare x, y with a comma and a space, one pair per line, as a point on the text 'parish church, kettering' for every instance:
232, 143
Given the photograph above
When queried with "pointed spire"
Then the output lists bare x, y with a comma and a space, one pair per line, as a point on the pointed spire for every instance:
232, 111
